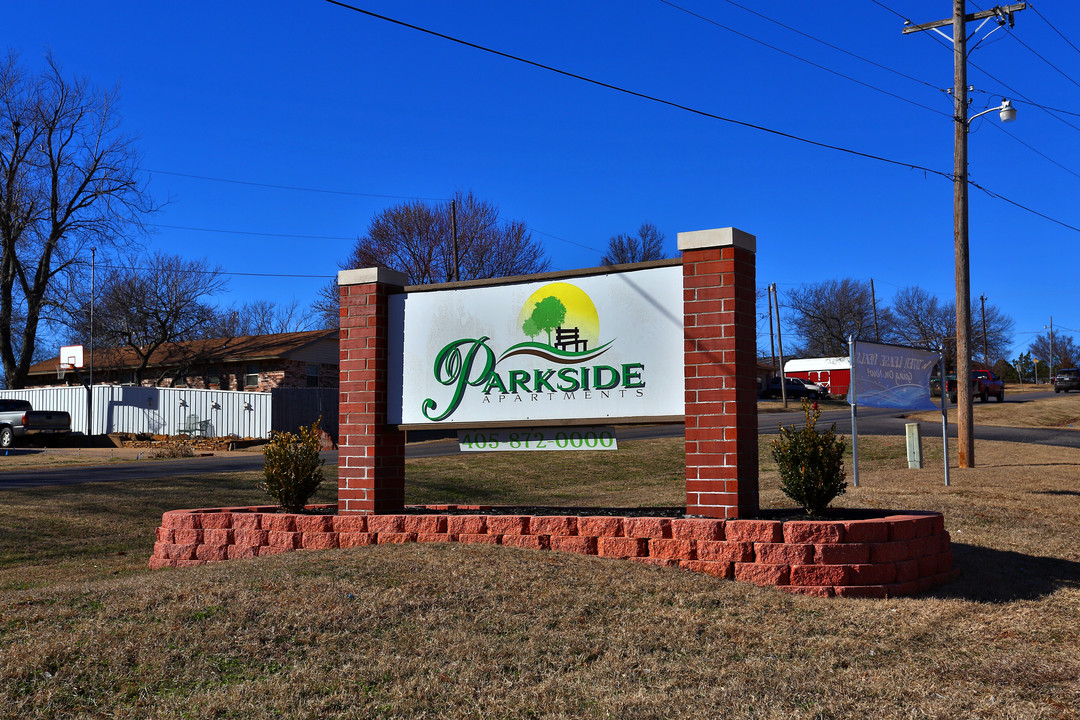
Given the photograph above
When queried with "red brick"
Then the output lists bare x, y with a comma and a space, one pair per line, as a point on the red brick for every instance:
157, 563
863, 591
350, 523
865, 574
211, 553
553, 525
508, 524
842, 554
626, 547
215, 520
886, 552
281, 538
163, 535
435, 537
393, 538
926, 525
646, 527
250, 538
180, 520
724, 551
922, 546
355, 539
825, 591
783, 554
902, 529
468, 524
529, 542
765, 531
318, 540
600, 526
234, 552
246, 521
819, 575
575, 544
187, 537
482, 538
760, 574
806, 531
281, 522
427, 524
386, 523
217, 537
188, 563
314, 523
672, 549
697, 529
267, 550
866, 531
907, 571
715, 569
180, 552
658, 562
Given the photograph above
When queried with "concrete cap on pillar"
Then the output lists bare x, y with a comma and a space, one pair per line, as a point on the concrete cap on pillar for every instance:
362, 276
717, 237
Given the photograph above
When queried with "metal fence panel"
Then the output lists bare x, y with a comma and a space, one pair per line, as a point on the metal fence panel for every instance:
294, 407
159, 411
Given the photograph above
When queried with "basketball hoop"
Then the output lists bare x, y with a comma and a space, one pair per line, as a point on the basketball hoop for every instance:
63, 369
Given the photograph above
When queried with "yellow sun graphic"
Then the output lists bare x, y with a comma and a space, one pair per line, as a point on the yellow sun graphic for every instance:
580, 313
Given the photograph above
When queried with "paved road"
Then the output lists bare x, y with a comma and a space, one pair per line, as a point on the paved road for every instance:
871, 422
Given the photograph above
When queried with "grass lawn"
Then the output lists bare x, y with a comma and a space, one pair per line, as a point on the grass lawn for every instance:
472, 631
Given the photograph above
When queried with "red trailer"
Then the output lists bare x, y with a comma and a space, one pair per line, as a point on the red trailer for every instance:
833, 373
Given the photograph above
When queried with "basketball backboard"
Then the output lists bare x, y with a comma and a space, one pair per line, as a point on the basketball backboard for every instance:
72, 355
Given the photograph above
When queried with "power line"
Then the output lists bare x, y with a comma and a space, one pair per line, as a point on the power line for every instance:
802, 59
223, 272
293, 187
1045, 20
257, 234
1034, 52
695, 111
634, 93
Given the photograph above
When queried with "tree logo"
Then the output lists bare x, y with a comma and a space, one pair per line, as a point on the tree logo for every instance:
565, 316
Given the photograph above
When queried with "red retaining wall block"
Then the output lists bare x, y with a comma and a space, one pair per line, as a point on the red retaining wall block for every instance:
900, 554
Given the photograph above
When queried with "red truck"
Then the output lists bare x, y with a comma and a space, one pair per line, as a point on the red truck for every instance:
983, 384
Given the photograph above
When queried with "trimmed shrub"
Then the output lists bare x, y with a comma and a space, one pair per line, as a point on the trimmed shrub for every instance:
811, 463
293, 467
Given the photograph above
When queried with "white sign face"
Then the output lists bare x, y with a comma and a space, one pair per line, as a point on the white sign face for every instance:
599, 346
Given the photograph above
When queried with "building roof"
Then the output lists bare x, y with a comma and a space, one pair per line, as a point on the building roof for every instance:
249, 348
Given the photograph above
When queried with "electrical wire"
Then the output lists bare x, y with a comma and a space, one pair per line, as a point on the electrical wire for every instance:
1045, 20
292, 187
1034, 52
802, 59
695, 111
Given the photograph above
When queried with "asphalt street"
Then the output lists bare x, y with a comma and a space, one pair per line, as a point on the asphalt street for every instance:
870, 422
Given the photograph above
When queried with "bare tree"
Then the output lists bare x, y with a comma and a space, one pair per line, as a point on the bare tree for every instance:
997, 341
417, 238
923, 321
68, 181
153, 302
1065, 352
260, 317
648, 245
825, 314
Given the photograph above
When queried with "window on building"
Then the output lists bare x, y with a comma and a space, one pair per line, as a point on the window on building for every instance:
313, 374
251, 375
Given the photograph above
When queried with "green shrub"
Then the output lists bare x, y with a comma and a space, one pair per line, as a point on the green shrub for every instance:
811, 463
293, 467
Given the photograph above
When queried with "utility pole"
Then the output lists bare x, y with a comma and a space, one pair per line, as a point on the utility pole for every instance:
772, 340
959, 20
873, 301
986, 344
780, 347
453, 222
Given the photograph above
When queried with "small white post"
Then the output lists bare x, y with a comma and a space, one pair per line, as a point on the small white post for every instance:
914, 446
854, 400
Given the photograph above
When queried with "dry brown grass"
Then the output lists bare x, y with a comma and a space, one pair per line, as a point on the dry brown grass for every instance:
1061, 411
465, 631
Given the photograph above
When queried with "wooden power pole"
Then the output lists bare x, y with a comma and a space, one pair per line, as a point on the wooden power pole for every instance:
959, 21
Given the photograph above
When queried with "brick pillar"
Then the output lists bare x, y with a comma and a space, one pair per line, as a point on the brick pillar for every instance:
719, 307
371, 454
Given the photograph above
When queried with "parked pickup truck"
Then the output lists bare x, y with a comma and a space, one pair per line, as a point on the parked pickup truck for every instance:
983, 384
18, 419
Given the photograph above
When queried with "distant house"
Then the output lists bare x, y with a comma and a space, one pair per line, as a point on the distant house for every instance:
253, 363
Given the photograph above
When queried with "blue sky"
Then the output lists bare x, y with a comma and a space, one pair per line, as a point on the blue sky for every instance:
310, 95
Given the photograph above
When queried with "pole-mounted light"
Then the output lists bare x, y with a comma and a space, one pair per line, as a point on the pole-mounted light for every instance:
1005, 111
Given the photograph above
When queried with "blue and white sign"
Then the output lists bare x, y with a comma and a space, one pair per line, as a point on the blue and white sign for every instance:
891, 376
